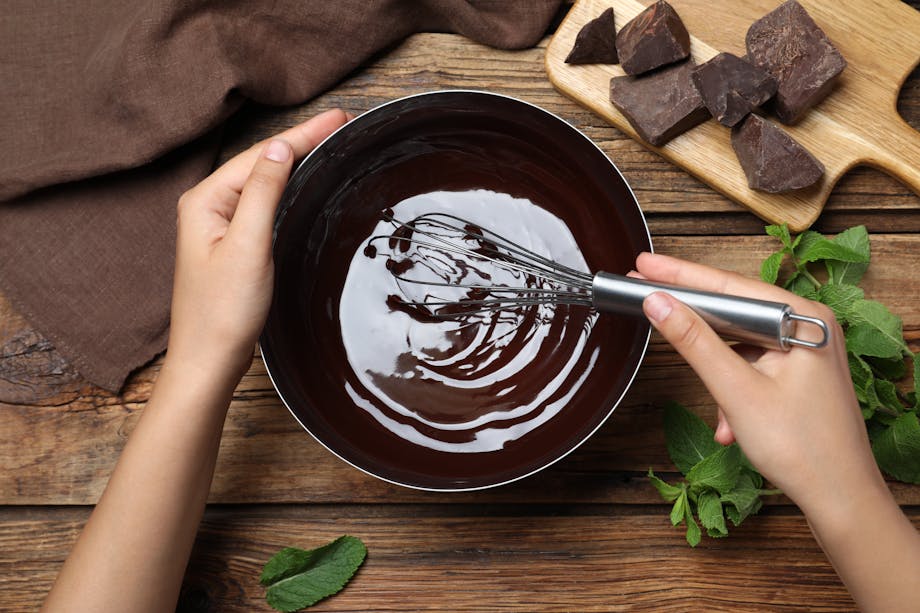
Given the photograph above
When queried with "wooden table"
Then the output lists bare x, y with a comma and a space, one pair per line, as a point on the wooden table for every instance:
589, 534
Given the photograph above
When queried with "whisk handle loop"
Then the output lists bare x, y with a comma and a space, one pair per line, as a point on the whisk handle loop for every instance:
758, 322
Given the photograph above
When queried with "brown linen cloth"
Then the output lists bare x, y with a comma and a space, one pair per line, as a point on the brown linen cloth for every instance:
109, 110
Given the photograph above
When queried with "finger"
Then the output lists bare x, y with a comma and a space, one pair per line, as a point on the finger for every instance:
675, 271
724, 434
255, 213
303, 138
723, 372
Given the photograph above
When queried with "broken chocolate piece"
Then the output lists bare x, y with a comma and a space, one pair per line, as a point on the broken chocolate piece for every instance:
660, 105
788, 44
731, 88
772, 160
655, 37
596, 42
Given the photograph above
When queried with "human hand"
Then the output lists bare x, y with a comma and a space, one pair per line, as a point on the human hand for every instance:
794, 413
224, 271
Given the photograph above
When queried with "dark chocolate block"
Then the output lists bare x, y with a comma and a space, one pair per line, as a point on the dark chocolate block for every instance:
660, 105
731, 88
596, 42
655, 37
788, 44
772, 160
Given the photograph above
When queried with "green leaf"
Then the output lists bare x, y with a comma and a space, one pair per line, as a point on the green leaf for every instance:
679, 510
841, 272
769, 270
874, 330
893, 369
709, 510
693, 531
888, 395
744, 499
801, 286
916, 358
840, 298
814, 247
689, 439
296, 578
719, 470
670, 493
897, 449
782, 233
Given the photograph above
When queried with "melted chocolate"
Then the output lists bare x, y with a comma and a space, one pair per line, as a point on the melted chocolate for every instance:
579, 365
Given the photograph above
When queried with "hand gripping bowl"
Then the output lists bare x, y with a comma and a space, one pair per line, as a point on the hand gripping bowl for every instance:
441, 405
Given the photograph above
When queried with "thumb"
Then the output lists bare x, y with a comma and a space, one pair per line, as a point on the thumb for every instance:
726, 375
254, 217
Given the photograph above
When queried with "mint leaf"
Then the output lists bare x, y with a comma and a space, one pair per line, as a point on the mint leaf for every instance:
744, 499
769, 270
841, 272
693, 531
897, 448
887, 395
681, 504
298, 578
670, 493
689, 439
840, 298
916, 358
874, 330
890, 368
782, 233
718, 470
709, 508
814, 247
800, 285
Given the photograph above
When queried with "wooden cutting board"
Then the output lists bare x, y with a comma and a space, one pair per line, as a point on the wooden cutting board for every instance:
857, 124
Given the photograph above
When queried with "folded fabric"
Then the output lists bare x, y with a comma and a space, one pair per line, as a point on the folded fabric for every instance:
112, 109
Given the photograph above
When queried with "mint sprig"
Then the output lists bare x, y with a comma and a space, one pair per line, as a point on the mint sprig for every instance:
827, 270
719, 481
296, 578
877, 353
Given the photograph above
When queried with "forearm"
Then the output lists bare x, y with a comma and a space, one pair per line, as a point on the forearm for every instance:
134, 549
873, 546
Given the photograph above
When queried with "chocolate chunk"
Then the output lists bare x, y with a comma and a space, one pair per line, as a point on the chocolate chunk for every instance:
731, 88
788, 44
660, 105
596, 42
655, 37
772, 160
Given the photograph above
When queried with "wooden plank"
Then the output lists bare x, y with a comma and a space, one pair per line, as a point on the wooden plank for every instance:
440, 61
856, 125
60, 449
480, 558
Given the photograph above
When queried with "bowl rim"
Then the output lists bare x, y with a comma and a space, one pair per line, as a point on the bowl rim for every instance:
289, 196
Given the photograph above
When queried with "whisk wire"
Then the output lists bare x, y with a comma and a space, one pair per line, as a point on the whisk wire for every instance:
530, 263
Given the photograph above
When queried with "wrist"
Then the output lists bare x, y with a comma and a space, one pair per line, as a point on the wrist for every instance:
211, 371
838, 514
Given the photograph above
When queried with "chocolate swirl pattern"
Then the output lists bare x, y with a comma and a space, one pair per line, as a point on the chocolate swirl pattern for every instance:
476, 381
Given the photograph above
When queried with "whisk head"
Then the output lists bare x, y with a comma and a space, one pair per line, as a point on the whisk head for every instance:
449, 267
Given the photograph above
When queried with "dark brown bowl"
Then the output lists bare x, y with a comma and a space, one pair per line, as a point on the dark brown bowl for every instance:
452, 141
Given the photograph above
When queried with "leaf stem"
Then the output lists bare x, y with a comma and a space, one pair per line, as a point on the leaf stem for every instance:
810, 277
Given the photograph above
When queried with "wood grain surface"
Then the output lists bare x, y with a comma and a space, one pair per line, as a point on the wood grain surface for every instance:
589, 534
857, 124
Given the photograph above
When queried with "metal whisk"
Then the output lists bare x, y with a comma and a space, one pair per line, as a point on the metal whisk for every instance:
446, 237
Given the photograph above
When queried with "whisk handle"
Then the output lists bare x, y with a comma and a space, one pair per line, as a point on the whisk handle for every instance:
757, 322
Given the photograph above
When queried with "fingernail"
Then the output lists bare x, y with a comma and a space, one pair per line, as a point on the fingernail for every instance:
278, 151
657, 307
349, 115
